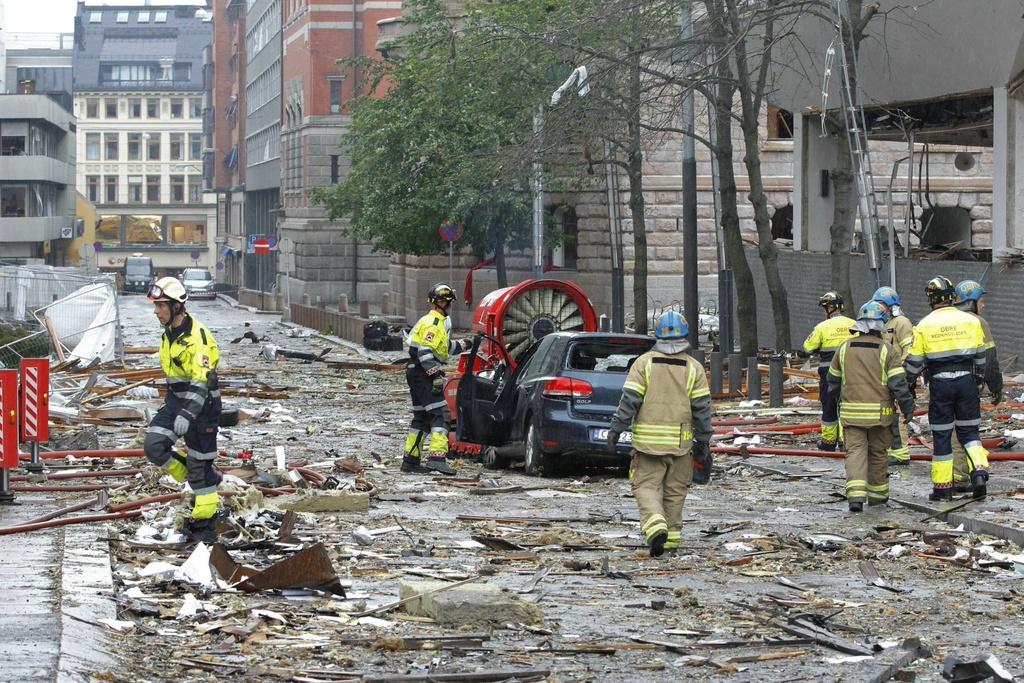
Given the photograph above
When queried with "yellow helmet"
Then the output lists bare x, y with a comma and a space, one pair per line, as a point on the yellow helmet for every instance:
168, 289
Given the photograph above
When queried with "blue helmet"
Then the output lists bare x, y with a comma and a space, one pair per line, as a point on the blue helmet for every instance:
873, 310
968, 290
888, 296
671, 326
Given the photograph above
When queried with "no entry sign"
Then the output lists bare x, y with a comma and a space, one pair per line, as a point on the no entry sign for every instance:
261, 246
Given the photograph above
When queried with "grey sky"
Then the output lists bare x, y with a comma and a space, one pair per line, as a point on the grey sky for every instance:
53, 16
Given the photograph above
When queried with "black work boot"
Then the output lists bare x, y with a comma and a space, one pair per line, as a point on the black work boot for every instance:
411, 465
437, 463
872, 502
941, 493
201, 531
829, 446
962, 486
856, 506
657, 543
979, 480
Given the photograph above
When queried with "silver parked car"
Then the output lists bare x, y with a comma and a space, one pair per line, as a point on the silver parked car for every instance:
198, 283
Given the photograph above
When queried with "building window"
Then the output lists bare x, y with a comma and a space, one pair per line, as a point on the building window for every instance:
92, 182
110, 183
110, 109
177, 109
195, 146
143, 17
92, 146
134, 146
110, 146
135, 189
567, 227
12, 145
153, 189
334, 169
177, 146
12, 200
108, 229
177, 189
186, 230
195, 189
92, 108
143, 229
780, 124
153, 147
160, 17
135, 108
95, 17
153, 108
195, 108
122, 17
335, 87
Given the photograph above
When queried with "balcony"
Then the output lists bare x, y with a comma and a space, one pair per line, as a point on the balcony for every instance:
35, 168
33, 229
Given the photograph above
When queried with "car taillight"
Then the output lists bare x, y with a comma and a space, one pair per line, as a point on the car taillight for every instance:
567, 387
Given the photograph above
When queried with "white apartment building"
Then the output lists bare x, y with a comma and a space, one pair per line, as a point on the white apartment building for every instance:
139, 100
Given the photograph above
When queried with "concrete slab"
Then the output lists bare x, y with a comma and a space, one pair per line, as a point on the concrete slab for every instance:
472, 603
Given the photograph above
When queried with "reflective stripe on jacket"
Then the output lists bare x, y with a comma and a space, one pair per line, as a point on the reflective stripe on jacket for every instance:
866, 372
947, 339
189, 357
430, 343
900, 334
668, 401
826, 337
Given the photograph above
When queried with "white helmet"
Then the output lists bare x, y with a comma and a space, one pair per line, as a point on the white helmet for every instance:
168, 289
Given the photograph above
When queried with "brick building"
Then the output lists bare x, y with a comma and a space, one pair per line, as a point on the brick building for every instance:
315, 89
224, 131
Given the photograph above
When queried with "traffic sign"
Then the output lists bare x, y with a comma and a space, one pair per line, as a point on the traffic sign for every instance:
97, 245
250, 240
8, 419
449, 231
35, 399
261, 246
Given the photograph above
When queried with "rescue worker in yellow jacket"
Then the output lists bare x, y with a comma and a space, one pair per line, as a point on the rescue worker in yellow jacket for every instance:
970, 298
188, 357
950, 345
430, 347
667, 403
866, 375
899, 332
824, 339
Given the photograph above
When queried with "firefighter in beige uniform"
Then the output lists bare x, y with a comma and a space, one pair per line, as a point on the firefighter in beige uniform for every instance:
667, 402
867, 375
899, 332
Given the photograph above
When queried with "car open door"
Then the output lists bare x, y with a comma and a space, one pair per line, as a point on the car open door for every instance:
484, 400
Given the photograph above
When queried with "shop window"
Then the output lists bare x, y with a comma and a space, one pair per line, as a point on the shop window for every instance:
108, 229
13, 201
780, 124
186, 230
782, 223
143, 229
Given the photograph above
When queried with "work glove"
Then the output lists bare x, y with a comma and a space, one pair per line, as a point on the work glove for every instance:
181, 424
701, 462
613, 440
997, 397
908, 417
437, 384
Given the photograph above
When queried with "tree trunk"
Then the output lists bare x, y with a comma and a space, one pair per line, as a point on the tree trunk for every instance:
746, 295
637, 209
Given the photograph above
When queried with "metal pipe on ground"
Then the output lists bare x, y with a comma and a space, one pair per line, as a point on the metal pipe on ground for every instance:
1009, 456
73, 488
100, 500
85, 519
101, 453
84, 475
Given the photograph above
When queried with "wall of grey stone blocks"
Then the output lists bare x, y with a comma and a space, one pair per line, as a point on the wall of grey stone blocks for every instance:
807, 276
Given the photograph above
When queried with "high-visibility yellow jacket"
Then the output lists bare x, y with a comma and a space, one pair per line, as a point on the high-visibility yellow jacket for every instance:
947, 340
867, 373
900, 334
993, 374
826, 337
430, 343
667, 399
189, 357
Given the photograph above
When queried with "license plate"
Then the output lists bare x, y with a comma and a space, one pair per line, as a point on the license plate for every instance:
602, 436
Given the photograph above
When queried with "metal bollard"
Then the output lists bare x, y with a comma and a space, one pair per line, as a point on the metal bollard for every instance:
716, 371
776, 378
735, 373
753, 379
604, 324
343, 303
364, 309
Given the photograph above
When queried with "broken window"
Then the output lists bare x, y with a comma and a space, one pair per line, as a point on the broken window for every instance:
780, 124
945, 225
782, 223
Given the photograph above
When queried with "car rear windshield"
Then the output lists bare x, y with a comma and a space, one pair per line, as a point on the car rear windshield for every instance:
605, 356
198, 275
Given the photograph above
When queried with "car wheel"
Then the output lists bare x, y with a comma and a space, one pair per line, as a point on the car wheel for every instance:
536, 462
490, 459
